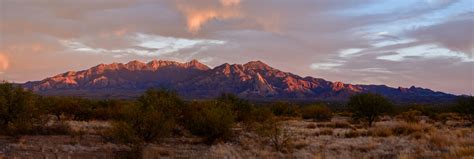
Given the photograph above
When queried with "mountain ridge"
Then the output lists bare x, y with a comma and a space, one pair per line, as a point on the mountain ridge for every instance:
193, 80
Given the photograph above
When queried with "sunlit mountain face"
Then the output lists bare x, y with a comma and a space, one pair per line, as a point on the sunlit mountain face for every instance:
427, 43
254, 80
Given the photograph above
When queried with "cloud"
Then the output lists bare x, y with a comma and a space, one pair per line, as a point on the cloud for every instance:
324, 66
199, 13
230, 2
144, 45
434, 73
456, 35
4, 63
43, 38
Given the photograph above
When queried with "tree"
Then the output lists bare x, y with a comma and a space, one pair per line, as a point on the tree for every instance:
465, 106
369, 106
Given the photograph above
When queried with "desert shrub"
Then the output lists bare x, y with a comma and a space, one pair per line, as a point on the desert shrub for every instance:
54, 106
147, 125
151, 118
443, 117
57, 128
285, 109
19, 113
369, 107
257, 116
425, 110
272, 133
210, 119
241, 109
70, 107
316, 112
165, 101
81, 109
14, 101
410, 116
109, 109
465, 107
121, 132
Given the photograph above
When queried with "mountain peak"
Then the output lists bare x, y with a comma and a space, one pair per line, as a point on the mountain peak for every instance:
196, 64
257, 65
135, 65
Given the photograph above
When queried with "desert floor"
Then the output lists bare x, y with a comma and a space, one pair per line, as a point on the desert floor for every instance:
389, 138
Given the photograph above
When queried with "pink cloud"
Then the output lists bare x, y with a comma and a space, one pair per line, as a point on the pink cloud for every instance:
4, 63
198, 15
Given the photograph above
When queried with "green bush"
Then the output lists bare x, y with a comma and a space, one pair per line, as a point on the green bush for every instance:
369, 106
318, 112
210, 119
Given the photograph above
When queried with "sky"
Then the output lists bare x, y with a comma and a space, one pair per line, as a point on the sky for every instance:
425, 43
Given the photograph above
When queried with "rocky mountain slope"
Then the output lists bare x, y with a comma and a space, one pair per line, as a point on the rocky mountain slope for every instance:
253, 80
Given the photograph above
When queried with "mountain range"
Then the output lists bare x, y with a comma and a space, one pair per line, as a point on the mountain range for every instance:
193, 80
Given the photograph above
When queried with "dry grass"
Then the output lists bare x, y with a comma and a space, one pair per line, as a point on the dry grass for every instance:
324, 131
300, 145
311, 126
401, 129
89, 127
463, 151
440, 141
382, 131
355, 133
335, 139
335, 124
